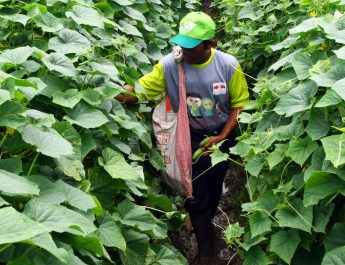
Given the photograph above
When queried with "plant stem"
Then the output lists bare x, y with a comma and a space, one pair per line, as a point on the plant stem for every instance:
3, 139
33, 163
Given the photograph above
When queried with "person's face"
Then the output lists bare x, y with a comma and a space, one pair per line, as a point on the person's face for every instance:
198, 54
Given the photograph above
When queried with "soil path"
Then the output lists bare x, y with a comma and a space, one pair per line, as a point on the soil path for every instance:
233, 196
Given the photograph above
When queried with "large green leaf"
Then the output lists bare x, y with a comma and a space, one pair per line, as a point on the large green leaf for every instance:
340, 53
166, 256
335, 237
59, 218
335, 257
298, 99
69, 41
86, 116
48, 22
296, 216
300, 149
318, 126
320, 185
301, 63
13, 165
259, 223
15, 227
72, 164
334, 146
137, 247
105, 67
329, 99
275, 157
48, 142
136, 216
58, 192
130, 29
46, 242
14, 185
110, 233
60, 63
83, 15
117, 167
255, 256
17, 55
322, 215
134, 14
284, 244
68, 98
339, 87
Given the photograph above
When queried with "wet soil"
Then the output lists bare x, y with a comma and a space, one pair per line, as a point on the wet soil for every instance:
233, 196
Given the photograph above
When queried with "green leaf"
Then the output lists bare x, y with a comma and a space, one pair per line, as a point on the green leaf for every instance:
275, 157
59, 218
14, 185
339, 88
322, 215
71, 165
86, 116
340, 53
4, 96
137, 247
134, 14
89, 243
17, 55
46, 242
300, 149
301, 63
318, 126
13, 165
105, 67
254, 165
334, 146
110, 233
83, 15
48, 22
58, 192
233, 232
320, 185
166, 255
335, 237
69, 41
60, 63
298, 99
68, 98
259, 223
329, 99
136, 216
298, 217
284, 244
130, 29
87, 144
92, 96
335, 257
255, 256
117, 167
15, 227
48, 142
218, 156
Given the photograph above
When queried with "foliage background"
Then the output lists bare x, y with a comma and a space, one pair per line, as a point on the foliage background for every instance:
78, 169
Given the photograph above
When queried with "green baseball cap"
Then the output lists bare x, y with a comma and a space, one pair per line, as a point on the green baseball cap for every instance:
195, 27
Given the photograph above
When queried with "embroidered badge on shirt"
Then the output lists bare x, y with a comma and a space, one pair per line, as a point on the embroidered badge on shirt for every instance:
219, 88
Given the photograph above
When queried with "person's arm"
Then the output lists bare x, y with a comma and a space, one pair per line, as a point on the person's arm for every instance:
153, 83
239, 95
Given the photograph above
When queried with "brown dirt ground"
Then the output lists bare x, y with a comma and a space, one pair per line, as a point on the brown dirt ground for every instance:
184, 239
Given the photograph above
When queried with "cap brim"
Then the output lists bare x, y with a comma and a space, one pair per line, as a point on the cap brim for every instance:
185, 42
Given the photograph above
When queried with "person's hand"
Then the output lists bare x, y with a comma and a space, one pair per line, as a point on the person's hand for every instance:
125, 98
213, 140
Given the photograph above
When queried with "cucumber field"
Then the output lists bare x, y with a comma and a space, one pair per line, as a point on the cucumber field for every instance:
80, 175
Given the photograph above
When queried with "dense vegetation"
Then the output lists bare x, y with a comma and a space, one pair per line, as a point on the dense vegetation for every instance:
292, 134
78, 169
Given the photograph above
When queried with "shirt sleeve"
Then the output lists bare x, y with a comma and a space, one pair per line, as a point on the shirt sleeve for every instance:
153, 83
238, 89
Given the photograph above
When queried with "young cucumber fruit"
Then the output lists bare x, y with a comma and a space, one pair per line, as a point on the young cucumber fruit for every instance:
205, 141
199, 151
197, 154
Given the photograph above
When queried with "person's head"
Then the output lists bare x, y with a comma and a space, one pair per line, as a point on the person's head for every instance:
196, 37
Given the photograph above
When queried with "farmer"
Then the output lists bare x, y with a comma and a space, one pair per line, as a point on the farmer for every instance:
218, 81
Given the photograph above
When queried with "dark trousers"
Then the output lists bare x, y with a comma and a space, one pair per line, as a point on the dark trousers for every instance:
207, 189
